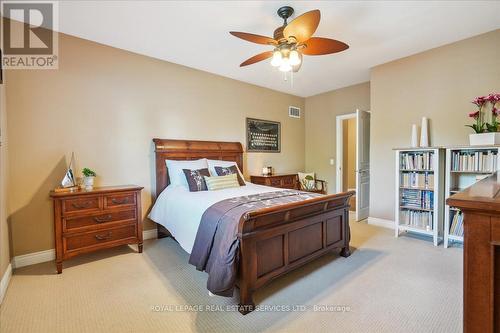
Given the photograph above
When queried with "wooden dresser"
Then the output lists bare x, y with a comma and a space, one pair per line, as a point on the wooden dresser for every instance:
290, 181
86, 221
480, 205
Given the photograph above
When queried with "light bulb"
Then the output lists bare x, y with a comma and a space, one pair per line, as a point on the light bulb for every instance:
277, 59
285, 65
294, 58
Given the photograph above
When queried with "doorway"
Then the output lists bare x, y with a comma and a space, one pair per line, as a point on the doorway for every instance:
348, 166
353, 160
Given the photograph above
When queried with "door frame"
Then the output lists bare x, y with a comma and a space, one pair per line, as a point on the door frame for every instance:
340, 150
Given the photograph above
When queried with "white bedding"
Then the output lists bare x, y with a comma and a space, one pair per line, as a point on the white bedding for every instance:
180, 211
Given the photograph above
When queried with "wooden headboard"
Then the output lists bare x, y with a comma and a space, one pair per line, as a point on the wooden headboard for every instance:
166, 149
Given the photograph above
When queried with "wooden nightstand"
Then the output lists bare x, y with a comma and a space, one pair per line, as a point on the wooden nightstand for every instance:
87, 221
290, 181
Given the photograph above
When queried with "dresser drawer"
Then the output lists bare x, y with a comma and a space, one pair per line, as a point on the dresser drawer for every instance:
90, 239
119, 200
98, 221
83, 204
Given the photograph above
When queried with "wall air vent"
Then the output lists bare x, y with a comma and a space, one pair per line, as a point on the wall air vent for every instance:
294, 112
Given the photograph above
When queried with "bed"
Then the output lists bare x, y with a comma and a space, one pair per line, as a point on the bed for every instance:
272, 240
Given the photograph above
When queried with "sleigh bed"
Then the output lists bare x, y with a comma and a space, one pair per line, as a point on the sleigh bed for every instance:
272, 240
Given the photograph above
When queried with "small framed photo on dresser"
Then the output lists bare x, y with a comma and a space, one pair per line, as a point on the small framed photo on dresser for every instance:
263, 136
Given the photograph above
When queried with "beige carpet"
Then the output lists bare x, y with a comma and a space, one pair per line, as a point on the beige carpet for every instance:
387, 285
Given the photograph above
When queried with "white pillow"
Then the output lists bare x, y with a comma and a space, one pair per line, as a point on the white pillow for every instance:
213, 163
176, 174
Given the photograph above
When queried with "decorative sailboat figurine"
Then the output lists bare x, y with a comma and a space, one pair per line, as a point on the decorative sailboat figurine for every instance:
68, 184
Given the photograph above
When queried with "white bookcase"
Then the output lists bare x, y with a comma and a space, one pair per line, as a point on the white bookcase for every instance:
419, 188
465, 165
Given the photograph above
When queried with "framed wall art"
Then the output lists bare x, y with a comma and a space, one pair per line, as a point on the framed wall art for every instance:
263, 136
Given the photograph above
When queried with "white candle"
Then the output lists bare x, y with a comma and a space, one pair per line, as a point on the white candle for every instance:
424, 133
414, 135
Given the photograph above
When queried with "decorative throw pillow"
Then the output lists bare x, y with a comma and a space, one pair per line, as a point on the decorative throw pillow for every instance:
221, 182
224, 171
307, 181
196, 180
220, 163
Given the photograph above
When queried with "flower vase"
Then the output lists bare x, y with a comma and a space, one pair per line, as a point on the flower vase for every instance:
484, 139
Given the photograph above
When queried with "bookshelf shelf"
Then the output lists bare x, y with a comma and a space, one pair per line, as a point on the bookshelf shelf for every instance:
415, 170
417, 230
416, 208
465, 165
456, 238
473, 172
419, 186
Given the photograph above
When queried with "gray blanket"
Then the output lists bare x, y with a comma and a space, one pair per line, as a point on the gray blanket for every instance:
216, 247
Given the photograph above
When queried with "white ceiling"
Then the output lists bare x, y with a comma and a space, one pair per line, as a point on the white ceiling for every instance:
195, 34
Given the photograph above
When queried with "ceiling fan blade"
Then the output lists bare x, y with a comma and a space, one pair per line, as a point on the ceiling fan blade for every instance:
257, 58
304, 26
254, 38
319, 46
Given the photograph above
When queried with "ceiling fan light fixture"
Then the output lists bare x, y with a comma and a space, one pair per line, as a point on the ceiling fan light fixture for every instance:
292, 41
285, 65
294, 58
277, 59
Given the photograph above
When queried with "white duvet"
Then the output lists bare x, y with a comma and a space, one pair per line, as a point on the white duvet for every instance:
180, 211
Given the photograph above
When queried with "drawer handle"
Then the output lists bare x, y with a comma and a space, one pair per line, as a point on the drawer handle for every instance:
119, 202
83, 205
103, 219
103, 237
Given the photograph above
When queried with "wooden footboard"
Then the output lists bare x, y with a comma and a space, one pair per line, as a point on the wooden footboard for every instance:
276, 240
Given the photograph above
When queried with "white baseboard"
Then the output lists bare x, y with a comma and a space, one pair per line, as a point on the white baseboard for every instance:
49, 255
381, 222
4, 283
33, 258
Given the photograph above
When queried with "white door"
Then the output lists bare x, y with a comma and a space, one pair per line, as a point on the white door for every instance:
362, 164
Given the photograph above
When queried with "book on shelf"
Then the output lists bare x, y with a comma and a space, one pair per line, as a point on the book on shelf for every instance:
418, 199
417, 160
457, 225
416, 219
418, 180
474, 161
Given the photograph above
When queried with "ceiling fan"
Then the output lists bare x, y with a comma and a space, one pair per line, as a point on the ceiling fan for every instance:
291, 41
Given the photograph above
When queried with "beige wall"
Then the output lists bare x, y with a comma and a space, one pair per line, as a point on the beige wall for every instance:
321, 112
438, 84
106, 105
4, 229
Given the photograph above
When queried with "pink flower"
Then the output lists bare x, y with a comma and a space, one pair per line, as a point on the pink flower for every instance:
474, 114
479, 101
493, 98
495, 111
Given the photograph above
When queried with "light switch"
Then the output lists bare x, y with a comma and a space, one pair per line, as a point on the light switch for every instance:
332, 161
